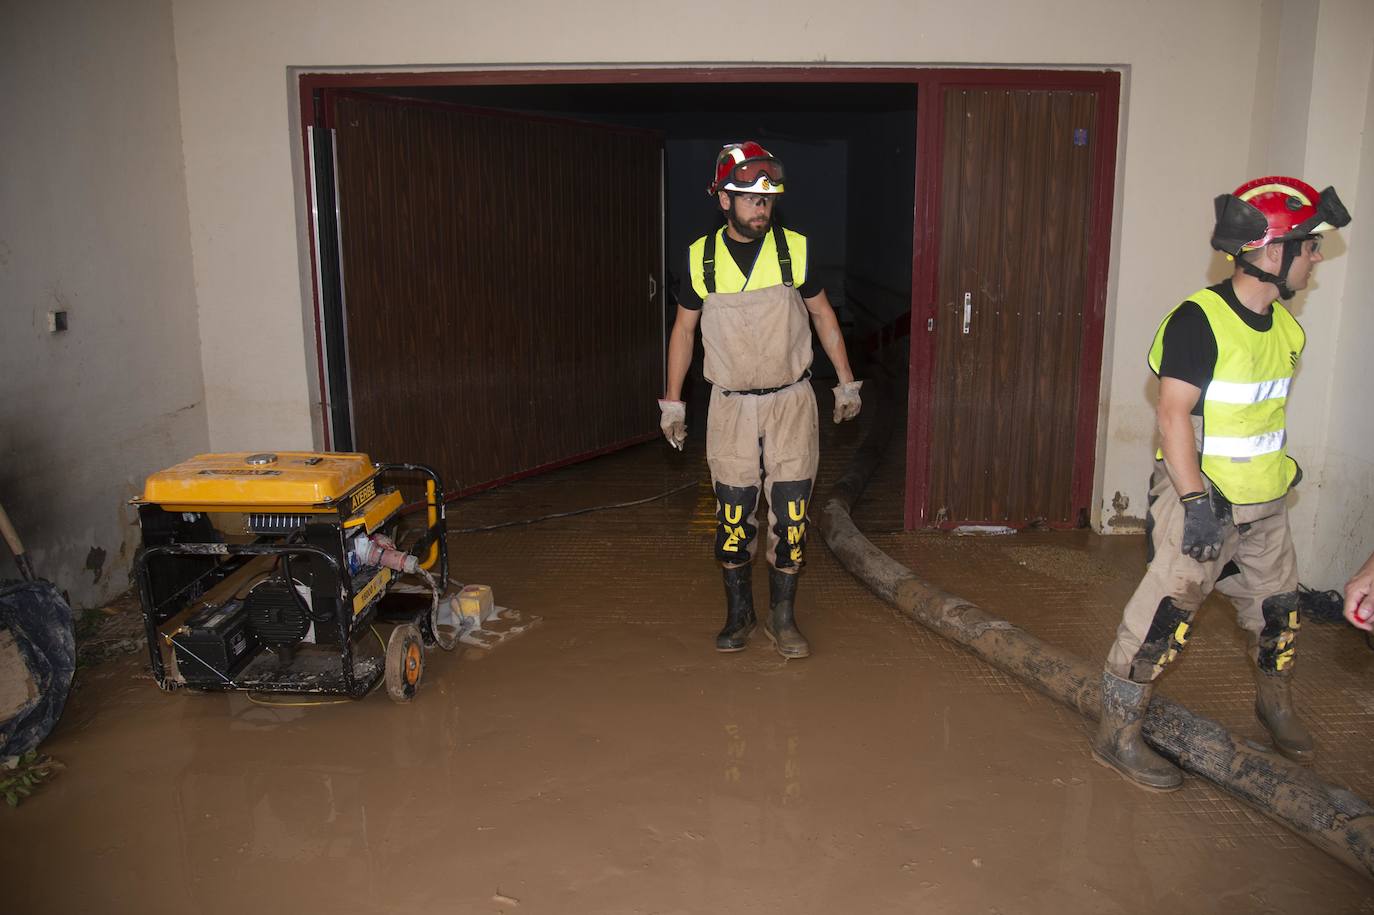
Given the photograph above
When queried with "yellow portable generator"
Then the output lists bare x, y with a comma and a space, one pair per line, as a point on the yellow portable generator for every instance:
264, 572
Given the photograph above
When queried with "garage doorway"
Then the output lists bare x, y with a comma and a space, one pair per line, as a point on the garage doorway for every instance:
870, 158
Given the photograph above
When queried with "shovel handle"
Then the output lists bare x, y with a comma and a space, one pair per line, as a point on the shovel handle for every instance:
15, 544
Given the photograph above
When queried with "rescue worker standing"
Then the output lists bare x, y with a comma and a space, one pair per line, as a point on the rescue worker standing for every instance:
757, 305
1217, 516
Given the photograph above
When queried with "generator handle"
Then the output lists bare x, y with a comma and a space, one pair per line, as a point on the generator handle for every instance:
234, 549
436, 516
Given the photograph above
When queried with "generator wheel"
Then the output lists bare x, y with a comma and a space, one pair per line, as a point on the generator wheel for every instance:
405, 662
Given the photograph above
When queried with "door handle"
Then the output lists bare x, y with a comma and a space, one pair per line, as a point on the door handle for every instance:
653, 286
968, 310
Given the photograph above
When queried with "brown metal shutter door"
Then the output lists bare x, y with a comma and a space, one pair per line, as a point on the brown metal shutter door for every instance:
497, 286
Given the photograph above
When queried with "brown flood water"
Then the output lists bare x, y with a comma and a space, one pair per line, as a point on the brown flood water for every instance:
609, 761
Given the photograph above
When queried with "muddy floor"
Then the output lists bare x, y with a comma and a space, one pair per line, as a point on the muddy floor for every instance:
608, 760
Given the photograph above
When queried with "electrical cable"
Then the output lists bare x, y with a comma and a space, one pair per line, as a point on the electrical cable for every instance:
322, 616
581, 511
441, 640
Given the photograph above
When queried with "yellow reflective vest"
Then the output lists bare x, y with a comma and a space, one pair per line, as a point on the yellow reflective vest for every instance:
766, 272
1244, 439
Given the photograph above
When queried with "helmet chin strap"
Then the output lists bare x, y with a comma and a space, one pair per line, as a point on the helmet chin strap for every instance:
1290, 251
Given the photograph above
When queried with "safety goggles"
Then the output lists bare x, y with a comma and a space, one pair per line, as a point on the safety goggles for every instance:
1311, 245
753, 200
750, 170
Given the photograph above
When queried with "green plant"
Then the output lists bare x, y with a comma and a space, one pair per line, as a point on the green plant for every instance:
19, 775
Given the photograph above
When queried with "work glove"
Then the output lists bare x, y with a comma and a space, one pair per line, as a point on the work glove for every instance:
847, 402
1201, 527
673, 422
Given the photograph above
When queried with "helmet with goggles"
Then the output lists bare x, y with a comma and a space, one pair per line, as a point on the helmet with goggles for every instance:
1274, 210
747, 168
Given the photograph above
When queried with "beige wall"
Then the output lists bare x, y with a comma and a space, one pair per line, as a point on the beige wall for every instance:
93, 221
1334, 522
1314, 118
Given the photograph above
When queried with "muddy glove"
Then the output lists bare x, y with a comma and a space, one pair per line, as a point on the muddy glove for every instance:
847, 402
1201, 527
673, 422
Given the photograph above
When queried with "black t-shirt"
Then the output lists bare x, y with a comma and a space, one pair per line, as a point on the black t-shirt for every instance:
744, 254
1190, 346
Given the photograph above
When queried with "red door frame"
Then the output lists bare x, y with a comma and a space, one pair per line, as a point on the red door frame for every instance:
930, 84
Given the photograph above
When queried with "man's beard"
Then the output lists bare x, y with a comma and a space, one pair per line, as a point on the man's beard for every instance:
748, 231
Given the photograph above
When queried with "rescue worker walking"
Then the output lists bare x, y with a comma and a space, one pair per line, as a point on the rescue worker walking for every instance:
1217, 518
756, 302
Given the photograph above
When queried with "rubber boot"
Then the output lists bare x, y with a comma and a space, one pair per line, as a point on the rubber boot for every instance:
781, 627
1274, 709
1118, 743
739, 609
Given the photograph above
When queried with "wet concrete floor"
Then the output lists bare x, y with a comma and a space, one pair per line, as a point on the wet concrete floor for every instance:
609, 761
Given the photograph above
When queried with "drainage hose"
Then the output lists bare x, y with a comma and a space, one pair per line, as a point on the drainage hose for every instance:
1331, 818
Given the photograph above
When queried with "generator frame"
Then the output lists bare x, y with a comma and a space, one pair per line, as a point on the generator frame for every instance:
191, 536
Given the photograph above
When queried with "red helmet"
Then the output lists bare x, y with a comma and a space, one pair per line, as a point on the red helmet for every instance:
1274, 209
747, 167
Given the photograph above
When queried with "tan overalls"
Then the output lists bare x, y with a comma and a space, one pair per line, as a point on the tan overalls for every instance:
1154, 626
762, 424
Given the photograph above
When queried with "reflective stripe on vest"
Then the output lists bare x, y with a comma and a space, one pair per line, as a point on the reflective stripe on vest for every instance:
1244, 439
1236, 392
1254, 446
766, 270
